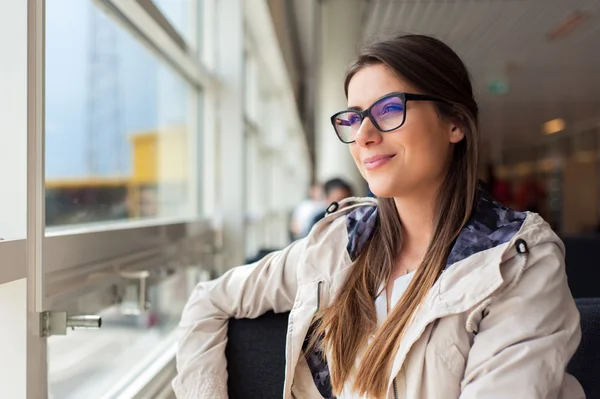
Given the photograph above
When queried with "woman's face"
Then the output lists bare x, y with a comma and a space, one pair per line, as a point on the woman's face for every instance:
413, 158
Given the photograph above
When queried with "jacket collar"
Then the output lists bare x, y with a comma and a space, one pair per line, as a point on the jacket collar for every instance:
491, 225
474, 278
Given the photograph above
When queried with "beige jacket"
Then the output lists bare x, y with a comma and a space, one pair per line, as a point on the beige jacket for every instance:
497, 324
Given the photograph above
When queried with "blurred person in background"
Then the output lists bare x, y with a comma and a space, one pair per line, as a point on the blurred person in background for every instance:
306, 211
432, 290
336, 190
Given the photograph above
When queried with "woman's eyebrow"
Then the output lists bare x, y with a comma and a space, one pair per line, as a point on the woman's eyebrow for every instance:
355, 108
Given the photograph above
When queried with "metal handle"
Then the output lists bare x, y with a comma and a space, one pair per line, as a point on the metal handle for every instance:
142, 279
84, 321
57, 323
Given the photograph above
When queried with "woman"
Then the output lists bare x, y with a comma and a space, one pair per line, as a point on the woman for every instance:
433, 291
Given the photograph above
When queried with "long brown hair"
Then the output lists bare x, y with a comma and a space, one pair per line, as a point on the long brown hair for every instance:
434, 69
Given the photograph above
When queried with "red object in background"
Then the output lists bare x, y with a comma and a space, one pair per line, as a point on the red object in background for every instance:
502, 192
152, 319
530, 195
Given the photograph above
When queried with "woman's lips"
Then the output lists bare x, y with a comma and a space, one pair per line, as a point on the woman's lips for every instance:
377, 161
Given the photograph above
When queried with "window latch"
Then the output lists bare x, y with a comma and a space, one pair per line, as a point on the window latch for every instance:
57, 323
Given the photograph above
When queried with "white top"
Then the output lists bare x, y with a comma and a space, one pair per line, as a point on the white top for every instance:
400, 286
304, 214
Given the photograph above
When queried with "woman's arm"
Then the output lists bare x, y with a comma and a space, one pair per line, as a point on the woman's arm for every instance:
243, 292
527, 336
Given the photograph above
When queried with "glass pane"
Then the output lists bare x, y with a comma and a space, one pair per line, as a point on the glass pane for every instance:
101, 363
183, 15
119, 123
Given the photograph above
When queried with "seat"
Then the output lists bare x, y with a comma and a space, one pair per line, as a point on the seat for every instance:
256, 354
585, 365
582, 265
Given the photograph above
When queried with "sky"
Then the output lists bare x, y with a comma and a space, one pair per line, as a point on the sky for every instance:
132, 91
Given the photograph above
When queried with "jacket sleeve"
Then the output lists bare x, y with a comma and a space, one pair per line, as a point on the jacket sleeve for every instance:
527, 336
243, 292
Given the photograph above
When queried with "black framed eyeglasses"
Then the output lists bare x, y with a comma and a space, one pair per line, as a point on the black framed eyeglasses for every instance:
387, 114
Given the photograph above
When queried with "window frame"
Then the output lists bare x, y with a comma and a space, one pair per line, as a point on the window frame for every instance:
55, 276
158, 34
107, 240
103, 250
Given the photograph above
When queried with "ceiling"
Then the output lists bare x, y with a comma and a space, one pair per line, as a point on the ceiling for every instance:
507, 40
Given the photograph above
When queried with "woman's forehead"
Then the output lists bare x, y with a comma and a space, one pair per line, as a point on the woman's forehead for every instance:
373, 82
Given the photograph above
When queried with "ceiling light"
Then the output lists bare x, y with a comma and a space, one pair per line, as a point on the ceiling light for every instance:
554, 126
567, 26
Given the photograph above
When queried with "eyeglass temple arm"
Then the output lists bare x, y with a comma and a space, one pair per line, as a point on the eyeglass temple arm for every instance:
421, 97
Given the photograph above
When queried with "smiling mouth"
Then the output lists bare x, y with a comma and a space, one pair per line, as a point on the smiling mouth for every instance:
376, 162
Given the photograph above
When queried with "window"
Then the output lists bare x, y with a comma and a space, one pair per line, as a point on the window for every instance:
183, 16
119, 123
107, 90
103, 363
122, 142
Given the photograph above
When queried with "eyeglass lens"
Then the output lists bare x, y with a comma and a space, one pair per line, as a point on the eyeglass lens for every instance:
387, 114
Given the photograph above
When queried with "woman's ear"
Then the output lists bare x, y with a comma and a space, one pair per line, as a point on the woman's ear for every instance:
456, 133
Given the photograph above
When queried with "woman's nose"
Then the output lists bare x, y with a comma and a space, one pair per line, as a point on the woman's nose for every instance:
367, 134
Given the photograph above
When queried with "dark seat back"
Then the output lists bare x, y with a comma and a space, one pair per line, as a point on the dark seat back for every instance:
256, 354
585, 365
583, 265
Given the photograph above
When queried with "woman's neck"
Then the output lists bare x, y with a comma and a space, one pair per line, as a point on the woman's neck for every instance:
416, 217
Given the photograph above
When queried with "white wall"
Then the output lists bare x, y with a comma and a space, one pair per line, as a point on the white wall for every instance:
13, 339
13, 173
338, 43
13, 118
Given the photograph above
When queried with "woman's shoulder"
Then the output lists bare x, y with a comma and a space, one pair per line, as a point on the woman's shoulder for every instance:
350, 213
344, 230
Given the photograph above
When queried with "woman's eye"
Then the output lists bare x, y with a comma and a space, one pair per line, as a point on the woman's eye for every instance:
354, 120
393, 108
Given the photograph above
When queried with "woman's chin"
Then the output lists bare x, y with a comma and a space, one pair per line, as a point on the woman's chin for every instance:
382, 190
388, 186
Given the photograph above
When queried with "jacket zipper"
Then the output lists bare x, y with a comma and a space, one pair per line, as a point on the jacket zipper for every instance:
319, 295
395, 389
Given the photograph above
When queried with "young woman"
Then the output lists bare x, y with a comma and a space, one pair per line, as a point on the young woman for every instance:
432, 291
